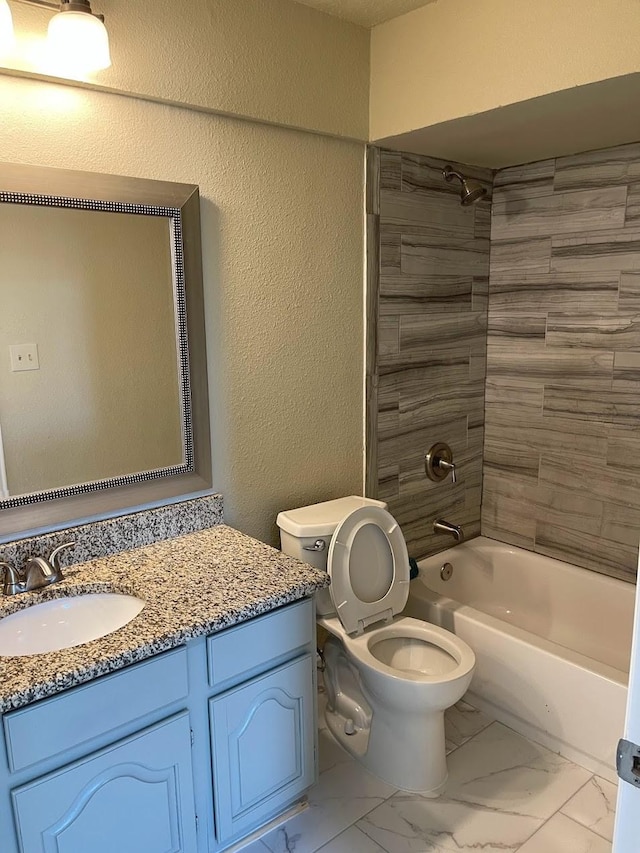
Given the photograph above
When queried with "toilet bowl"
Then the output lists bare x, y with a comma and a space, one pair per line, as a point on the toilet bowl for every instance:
389, 678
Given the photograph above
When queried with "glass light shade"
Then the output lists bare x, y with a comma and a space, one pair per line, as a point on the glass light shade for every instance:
6, 29
77, 43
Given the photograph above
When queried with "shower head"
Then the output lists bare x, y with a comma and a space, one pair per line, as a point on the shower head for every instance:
470, 191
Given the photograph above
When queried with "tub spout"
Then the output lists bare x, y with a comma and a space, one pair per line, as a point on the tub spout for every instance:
442, 526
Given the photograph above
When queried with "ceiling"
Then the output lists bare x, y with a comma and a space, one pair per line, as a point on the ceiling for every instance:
367, 13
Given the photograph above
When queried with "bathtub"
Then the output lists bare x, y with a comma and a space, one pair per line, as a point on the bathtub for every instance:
552, 643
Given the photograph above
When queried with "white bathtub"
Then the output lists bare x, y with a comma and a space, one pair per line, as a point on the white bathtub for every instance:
552, 643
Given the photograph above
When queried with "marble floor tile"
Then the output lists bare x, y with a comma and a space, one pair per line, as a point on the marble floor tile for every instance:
594, 806
342, 796
500, 770
330, 752
463, 722
563, 835
412, 824
255, 847
352, 841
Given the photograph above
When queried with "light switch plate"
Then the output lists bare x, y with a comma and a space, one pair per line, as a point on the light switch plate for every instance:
24, 357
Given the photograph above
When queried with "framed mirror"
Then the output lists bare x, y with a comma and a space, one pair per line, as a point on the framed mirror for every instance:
103, 382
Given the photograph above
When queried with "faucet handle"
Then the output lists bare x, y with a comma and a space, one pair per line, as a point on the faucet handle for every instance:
13, 578
438, 462
54, 556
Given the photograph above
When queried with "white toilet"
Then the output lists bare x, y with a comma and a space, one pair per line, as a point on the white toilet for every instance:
389, 678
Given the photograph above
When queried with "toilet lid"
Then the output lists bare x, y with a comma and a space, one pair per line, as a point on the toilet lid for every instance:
369, 568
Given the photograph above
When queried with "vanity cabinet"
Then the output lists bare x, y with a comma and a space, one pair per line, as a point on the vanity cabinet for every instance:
135, 796
185, 752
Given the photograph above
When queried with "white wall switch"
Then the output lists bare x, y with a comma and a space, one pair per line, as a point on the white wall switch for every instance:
24, 357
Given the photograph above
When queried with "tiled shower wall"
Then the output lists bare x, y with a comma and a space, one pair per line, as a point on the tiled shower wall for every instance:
562, 444
427, 304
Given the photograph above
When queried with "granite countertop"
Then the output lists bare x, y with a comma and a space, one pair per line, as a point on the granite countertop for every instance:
192, 585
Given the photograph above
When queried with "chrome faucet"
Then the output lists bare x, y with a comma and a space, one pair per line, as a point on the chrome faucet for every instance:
37, 572
442, 526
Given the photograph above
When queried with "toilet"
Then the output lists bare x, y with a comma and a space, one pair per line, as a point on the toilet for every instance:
389, 678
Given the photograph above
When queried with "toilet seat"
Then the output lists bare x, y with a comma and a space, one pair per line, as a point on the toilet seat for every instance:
369, 568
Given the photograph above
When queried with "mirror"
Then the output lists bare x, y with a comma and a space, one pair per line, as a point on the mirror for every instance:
102, 357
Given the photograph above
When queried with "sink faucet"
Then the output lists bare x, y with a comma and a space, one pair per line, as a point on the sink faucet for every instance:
442, 526
37, 572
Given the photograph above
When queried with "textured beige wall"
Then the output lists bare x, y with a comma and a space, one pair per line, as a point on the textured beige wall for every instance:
457, 58
94, 291
282, 234
271, 60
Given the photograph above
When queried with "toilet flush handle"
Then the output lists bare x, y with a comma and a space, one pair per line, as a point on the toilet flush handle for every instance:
318, 545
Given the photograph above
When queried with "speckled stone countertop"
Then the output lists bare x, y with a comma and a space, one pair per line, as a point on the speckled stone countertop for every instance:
192, 585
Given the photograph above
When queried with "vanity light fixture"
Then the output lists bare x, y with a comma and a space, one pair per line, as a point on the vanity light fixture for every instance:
77, 39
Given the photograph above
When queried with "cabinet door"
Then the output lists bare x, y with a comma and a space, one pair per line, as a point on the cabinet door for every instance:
133, 797
263, 742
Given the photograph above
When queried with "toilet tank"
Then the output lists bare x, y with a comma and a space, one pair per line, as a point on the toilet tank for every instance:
301, 528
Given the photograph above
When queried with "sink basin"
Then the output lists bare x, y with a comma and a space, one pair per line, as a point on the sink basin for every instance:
65, 622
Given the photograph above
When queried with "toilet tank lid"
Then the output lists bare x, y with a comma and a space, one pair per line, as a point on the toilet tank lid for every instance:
321, 519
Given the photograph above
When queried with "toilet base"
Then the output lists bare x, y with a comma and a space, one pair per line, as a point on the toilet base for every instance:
410, 756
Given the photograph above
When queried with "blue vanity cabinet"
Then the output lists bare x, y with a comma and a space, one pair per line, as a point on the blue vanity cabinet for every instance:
263, 746
262, 717
188, 751
134, 796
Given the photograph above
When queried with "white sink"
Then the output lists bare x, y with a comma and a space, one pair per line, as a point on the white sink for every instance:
65, 622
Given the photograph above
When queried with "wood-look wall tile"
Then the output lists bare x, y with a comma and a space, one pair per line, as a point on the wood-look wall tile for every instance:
592, 292
387, 482
390, 171
388, 336
560, 213
629, 299
515, 458
441, 402
390, 253
540, 433
579, 404
621, 523
424, 175
626, 372
506, 329
480, 294
437, 213
623, 447
588, 476
616, 250
527, 181
532, 255
405, 294
506, 511
560, 366
426, 333
524, 397
601, 331
393, 448
606, 168
423, 255
591, 551
633, 204
477, 369
482, 220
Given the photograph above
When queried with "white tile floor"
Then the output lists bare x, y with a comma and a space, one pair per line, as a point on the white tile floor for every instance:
504, 794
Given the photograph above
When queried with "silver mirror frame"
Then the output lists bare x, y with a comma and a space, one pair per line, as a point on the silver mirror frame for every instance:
180, 203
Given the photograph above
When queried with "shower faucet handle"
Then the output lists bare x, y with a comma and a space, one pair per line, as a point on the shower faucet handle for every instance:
438, 463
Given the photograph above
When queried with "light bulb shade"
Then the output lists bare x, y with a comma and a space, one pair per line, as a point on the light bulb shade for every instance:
6, 29
77, 43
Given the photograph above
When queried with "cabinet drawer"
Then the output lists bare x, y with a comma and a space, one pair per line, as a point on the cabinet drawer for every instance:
51, 726
252, 647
